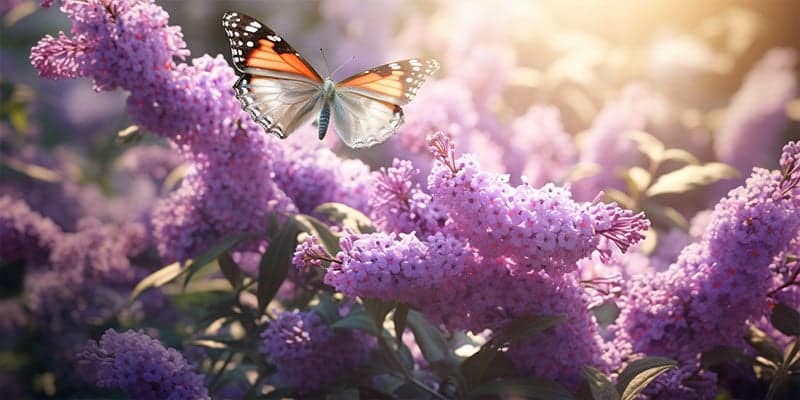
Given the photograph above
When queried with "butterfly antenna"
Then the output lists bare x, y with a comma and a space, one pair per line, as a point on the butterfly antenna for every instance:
325, 59
343, 64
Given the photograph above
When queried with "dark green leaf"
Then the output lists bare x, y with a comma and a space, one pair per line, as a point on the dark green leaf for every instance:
786, 319
724, 354
638, 374
474, 368
765, 345
344, 394
536, 389
430, 340
347, 216
275, 263
327, 309
317, 228
400, 318
791, 356
229, 269
357, 320
378, 309
223, 245
599, 384
158, 278
524, 327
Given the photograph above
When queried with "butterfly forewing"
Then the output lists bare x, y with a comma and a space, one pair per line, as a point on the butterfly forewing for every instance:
396, 82
255, 47
278, 88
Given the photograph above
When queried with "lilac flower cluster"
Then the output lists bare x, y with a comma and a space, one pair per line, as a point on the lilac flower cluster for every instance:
308, 354
399, 204
538, 228
718, 284
428, 270
141, 367
24, 234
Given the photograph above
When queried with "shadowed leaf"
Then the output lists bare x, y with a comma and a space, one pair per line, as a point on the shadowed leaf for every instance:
638, 374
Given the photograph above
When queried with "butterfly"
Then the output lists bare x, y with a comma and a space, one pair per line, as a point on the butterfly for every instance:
281, 91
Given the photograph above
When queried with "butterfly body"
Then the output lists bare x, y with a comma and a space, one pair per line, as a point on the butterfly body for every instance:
281, 91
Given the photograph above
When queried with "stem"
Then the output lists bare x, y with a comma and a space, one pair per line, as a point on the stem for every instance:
407, 374
786, 284
221, 370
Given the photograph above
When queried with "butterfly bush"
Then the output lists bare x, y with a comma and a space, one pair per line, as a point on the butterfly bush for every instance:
707, 296
486, 223
141, 367
308, 354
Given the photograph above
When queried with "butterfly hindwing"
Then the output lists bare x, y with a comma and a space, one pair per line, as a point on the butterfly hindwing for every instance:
395, 83
362, 121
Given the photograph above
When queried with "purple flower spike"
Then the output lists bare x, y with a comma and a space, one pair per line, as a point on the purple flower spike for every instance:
790, 168
24, 234
399, 204
310, 254
308, 354
141, 367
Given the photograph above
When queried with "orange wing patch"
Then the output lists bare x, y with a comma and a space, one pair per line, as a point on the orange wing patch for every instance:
390, 85
265, 57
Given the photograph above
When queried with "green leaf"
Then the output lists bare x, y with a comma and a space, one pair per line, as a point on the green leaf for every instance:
637, 179
327, 308
430, 340
475, 366
223, 245
275, 263
648, 144
230, 270
536, 389
357, 320
524, 327
606, 313
400, 318
765, 345
691, 177
344, 394
786, 319
158, 278
347, 216
724, 354
317, 228
378, 310
680, 155
665, 215
638, 374
599, 384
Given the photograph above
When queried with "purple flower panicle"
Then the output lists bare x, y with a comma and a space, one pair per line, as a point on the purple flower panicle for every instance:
398, 203
141, 367
24, 234
308, 354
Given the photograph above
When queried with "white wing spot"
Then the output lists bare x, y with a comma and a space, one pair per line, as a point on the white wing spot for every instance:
274, 38
236, 33
249, 43
255, 24
251, 28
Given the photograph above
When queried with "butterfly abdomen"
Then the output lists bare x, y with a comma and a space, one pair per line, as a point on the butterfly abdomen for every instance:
324, 120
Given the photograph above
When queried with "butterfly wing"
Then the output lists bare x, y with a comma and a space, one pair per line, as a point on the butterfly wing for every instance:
362, 121
277, 87
396, 83
366, 106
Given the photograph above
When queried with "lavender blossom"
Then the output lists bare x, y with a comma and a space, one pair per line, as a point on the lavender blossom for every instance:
141, 367
308, 354
718, 284
540, 148
399, 204
537, 228
25, 234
